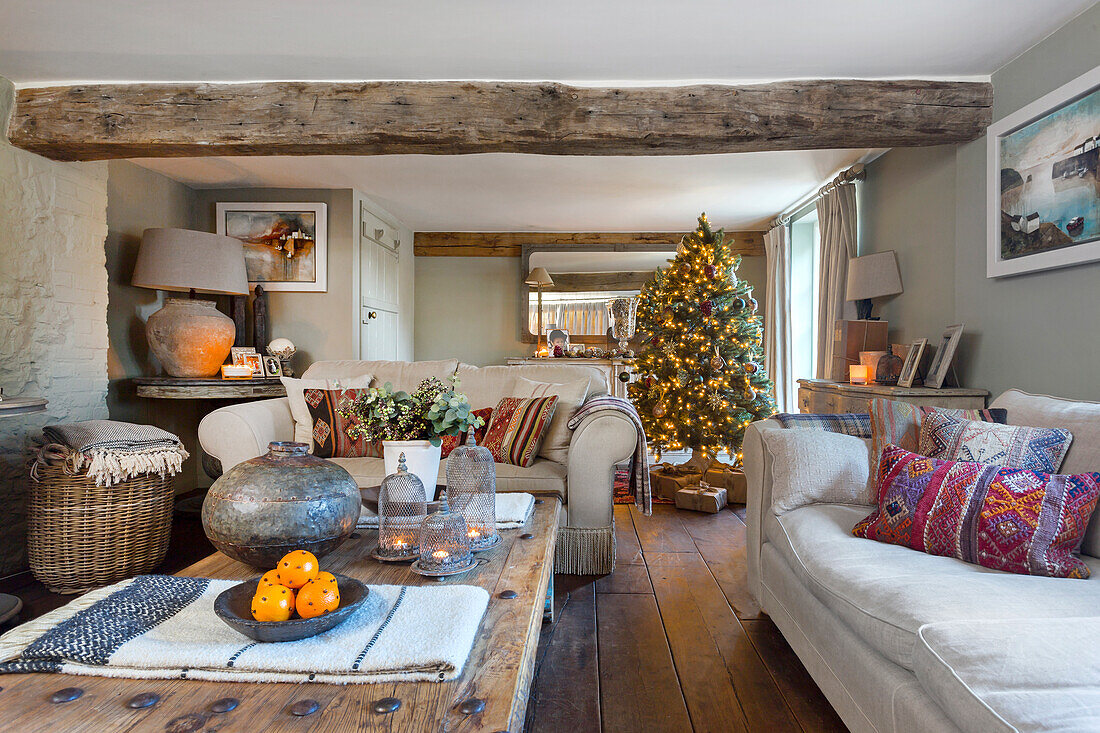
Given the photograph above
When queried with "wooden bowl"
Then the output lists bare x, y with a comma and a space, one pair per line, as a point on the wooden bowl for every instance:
234, 607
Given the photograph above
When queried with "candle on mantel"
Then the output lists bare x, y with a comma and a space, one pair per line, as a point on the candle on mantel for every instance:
859, 374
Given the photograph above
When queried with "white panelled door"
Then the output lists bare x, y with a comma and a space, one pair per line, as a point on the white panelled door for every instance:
379, 250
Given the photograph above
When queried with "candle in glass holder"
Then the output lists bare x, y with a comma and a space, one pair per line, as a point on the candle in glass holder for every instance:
859, 374
441, 554
474, 534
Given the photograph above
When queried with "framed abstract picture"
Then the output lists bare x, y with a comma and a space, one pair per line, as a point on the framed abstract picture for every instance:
285, 244
1043, 187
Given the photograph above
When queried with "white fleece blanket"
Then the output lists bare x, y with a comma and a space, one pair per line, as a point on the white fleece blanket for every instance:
513, 510
164, 627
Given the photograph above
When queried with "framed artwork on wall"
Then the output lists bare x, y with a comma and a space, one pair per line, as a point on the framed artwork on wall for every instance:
285, 244
1043, 186
912, 363
941, 362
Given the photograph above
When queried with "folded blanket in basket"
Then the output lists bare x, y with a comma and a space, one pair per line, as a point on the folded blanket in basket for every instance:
115, 451
513, 510
164, 627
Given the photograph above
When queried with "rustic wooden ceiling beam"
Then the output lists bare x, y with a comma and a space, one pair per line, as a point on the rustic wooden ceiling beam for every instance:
101, 121
509, 244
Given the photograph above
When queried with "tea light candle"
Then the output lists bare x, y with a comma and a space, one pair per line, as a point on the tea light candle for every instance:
859, 374
441, 554
473, 534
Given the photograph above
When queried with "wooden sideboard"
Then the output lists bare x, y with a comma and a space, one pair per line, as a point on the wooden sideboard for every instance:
822, 396
613, 368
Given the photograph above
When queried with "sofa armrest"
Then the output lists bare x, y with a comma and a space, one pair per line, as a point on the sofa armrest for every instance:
239, 432
601, 440
756, 463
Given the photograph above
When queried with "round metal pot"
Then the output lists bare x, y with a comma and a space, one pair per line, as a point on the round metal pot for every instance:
263, 508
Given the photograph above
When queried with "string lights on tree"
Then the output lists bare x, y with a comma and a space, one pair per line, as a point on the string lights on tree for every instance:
701, 376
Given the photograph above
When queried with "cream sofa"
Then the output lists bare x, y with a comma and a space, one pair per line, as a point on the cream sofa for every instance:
586, 538
903, 641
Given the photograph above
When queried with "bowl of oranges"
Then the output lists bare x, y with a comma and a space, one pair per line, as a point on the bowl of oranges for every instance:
295, 600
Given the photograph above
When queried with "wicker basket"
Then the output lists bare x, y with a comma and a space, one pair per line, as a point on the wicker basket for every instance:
82, 536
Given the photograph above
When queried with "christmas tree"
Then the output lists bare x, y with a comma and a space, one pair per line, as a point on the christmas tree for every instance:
701, 378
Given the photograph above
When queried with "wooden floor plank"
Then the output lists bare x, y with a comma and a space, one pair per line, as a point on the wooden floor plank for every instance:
661, 532
806, 701
721, 540
639, 690
628, 550
565, 693
725, 683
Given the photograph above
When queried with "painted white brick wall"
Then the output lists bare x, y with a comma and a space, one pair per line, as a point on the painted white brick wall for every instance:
53, 312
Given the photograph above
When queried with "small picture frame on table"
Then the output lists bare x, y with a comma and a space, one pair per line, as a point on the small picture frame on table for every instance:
272, 367
912, 363
557, 337
236, 353
941, 363
256, 363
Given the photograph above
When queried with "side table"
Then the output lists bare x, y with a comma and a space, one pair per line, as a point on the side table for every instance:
215, 388
822, 396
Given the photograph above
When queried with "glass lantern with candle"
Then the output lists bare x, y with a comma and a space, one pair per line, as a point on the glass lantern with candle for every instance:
402, 507
444, 543
472, 488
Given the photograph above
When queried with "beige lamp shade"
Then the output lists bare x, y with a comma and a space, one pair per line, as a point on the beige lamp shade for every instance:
182, 260
539, 276
873, 276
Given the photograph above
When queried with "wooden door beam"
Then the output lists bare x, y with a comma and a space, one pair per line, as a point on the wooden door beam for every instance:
509, 244
102, 121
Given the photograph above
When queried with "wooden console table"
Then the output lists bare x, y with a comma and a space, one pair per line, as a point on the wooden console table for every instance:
180, 388
822, 396
498, 671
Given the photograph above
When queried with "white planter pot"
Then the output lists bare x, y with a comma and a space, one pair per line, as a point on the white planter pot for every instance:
421, 458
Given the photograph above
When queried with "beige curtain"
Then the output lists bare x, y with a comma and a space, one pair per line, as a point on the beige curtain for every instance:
836, 215
777, 332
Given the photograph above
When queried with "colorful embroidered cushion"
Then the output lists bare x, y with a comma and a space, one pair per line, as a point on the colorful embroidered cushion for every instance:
898, 423
450, 442
295, 388
952, 438
1010, 519
330, 437
518, 428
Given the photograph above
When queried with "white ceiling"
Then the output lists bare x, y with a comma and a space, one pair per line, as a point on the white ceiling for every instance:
45, 41
512, 192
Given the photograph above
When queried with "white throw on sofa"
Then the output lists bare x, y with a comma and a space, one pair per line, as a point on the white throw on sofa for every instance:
584, 482
902, 641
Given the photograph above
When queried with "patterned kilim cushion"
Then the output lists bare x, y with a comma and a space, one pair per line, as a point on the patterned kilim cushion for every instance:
1010, 519
330, 437
450, 442
898, 423
952, 438
518, 426
849, 423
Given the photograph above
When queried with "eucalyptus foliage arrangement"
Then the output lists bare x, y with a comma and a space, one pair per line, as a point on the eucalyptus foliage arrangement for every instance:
430, 412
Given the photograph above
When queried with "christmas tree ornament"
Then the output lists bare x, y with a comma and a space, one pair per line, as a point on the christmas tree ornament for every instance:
750, 367
717, 363
710, 271
659, 409
706, 307
715, 400
738, 303
753, 305
624, 377
749, 394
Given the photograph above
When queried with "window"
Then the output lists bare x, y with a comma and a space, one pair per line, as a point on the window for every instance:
805, 265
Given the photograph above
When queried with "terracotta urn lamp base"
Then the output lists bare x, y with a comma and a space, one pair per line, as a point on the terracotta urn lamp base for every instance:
190, 338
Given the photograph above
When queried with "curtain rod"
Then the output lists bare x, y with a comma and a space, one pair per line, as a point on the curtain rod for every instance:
856, 173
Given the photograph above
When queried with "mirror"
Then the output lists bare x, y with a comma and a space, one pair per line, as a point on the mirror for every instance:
585, 278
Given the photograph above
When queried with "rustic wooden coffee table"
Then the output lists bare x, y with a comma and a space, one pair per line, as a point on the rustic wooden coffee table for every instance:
498, 671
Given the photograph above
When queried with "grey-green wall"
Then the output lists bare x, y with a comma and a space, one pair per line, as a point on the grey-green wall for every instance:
1040, 331
468, 307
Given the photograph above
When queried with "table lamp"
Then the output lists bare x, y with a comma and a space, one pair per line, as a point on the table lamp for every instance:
190, 337
539, 278
872, 276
